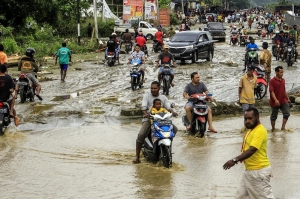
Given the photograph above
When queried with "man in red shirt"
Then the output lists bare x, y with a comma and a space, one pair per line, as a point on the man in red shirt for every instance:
140, 39
279, 98
159, 37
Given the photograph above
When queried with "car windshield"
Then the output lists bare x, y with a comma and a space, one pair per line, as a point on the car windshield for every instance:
184, 38
215, 26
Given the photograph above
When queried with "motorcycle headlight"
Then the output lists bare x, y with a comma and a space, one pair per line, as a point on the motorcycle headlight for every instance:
189, 47
166, 134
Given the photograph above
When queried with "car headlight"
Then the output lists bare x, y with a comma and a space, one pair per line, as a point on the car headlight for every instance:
189, 47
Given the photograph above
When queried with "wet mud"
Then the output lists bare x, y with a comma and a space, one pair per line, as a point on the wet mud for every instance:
75, 144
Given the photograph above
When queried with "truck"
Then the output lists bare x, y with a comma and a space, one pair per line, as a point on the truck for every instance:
144, 26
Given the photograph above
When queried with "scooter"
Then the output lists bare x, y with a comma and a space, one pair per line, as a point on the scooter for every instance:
26, 90
156, 46
199, 115
128, 46
234, 39
290, 57
111, 58
4, 117
135, 74
252, 57
158, 144
166, 78
261, 89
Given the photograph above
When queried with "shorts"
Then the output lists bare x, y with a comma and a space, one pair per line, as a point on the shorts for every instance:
64, 66
190, 104
161, 70
32, 78
285, 109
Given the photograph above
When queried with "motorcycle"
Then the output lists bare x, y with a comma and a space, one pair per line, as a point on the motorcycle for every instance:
128, 46
26, 89
166, 78
234, 39
243, 40
4, 116
111, 58
135, 74
275, 49
158, 144
261, 89
290, 57
199, 115
252, 57
156, 46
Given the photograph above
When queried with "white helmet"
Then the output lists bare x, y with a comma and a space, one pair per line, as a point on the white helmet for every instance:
234, 26
114, 33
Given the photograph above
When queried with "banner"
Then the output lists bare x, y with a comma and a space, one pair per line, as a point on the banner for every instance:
150, 9
132, 9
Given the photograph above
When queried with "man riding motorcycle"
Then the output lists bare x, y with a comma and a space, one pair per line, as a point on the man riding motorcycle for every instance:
234, 32
137, 54
117, 46
250, 46
276, 39
126, 37
159, 37
141, 40
165, 58
196, 86
147, 104
291, 40
28, 66
110, 46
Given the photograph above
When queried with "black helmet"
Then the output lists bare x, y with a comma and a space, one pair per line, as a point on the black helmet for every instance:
30, 52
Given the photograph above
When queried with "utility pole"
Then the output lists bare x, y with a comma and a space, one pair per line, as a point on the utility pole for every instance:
78, 21
95, 19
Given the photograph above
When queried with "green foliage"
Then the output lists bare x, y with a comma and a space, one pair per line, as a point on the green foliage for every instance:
10, 45
105, 28
164, 3
174, 20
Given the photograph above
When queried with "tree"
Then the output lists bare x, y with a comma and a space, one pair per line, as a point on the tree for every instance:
284, 2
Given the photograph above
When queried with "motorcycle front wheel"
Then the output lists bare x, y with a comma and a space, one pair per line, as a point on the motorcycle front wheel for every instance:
260, 91
289, 61
202, 129
133, 84
22, 95
166, 156
167, 87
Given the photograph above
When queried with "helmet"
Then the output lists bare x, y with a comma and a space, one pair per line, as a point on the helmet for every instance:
30, 52
234, 26
113, 33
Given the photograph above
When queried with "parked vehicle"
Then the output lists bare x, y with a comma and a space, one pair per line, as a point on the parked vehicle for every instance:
111, 58
4, 116
128, 46
200, 114
217, 31
156, 46
166, 78
26, 88
192, 45
135, 74
262, 86
147, 29
158, 145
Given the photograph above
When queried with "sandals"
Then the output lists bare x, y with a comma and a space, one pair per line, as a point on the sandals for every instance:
39, 97
188, 127
212, 130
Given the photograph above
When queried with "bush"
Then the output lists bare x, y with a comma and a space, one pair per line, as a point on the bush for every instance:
106, 28
10, 45
173, 19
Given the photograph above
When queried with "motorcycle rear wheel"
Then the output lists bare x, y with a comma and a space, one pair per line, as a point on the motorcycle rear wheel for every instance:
166, 156
260, 91
31, 98
22, 95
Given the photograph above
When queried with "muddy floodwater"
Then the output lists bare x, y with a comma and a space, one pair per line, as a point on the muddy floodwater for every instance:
75, 144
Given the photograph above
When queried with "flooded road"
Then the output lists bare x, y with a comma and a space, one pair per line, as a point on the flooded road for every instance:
75, 144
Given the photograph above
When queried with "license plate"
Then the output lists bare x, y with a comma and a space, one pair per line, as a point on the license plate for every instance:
110, 56
176, 54
218, 37
3, 110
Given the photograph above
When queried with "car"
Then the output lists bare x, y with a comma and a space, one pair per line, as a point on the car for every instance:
192, 45
217, 30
